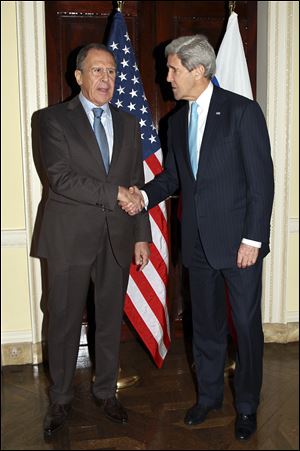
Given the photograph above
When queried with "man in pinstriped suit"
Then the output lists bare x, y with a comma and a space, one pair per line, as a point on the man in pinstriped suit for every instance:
225, 172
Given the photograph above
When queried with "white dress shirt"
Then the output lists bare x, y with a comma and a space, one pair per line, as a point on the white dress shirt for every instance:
203, 103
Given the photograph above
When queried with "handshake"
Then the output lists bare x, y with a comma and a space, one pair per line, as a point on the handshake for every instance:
130, 200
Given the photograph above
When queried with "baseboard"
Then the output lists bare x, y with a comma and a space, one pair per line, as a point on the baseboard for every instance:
31, 353
21, 353
273, 332
281, 333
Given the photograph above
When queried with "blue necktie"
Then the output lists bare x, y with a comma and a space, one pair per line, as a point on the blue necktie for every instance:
193, 130
101, 137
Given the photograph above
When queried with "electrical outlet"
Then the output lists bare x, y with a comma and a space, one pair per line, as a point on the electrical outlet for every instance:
15, 352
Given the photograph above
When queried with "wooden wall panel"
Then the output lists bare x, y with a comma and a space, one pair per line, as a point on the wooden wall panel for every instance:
69, 26
174, 19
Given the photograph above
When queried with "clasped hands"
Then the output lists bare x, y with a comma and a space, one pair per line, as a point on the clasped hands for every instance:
131, 200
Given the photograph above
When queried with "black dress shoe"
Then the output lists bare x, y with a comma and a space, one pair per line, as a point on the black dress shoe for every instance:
198, 413
113, 409
55, 418
245, 426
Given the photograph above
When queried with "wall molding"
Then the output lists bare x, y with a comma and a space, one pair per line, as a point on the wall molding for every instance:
15, 352
281, 333
279, 115
18, 237
292, 317
17, 336
13, 238
21, 353
294, 225
31, 39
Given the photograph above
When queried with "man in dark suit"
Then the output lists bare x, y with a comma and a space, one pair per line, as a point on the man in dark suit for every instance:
90, 154
219, 156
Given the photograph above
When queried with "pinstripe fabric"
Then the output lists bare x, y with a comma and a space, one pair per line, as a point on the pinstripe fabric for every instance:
230, 199
233, 195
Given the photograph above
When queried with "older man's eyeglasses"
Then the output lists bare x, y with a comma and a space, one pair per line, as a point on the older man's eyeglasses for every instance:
99, 72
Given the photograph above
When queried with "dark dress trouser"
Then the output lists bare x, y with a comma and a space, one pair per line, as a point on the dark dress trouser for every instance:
67, 295
210, 330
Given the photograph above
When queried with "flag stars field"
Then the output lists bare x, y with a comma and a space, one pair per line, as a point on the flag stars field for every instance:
119, 103
133, 93
121, 90
135, 80
131, 106
124, 63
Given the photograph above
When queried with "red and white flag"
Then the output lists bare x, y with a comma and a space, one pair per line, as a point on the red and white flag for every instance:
146, 298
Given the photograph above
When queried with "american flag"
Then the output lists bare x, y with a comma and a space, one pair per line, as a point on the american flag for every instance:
146, 298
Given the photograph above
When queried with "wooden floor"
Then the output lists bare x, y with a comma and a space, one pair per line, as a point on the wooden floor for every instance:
156, 406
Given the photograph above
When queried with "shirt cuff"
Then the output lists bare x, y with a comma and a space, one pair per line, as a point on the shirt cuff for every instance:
145, 197
251, 242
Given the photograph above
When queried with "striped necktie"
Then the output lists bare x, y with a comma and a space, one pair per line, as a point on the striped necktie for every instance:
193, 130
101, 137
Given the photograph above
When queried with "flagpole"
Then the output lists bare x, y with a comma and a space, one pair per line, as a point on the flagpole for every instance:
230, 364
120, 6
231, 7
126, 381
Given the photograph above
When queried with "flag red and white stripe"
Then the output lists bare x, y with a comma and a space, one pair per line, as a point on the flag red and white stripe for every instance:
146, 298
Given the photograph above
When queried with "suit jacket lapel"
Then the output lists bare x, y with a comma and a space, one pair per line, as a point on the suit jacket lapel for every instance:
118, 133
81, 122
183, 135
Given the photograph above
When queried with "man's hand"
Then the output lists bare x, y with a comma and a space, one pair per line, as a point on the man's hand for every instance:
247, 255
132, 200
141, 254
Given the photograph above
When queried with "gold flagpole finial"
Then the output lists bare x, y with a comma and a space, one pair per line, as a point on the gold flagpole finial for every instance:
231, 7
120, 6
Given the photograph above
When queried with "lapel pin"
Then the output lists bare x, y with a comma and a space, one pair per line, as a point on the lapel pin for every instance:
218, 113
